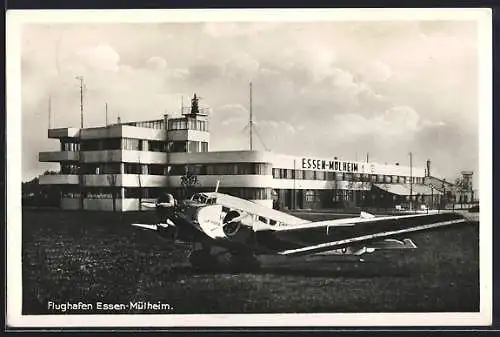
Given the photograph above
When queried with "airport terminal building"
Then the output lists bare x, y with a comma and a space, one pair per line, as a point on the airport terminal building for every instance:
117, 166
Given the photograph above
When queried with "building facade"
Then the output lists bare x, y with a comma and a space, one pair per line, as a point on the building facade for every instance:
118, 166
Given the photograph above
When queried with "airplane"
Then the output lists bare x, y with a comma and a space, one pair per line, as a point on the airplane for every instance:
226, 231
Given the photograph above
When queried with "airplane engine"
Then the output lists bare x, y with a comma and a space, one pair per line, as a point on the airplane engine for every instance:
231, 223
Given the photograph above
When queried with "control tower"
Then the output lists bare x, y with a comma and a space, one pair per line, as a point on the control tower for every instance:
189, 133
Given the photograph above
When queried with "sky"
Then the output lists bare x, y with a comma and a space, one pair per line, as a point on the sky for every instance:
320, 89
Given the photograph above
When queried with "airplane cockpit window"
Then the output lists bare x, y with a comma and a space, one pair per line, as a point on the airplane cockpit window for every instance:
261, 218
272, 222
199, 198
211, 201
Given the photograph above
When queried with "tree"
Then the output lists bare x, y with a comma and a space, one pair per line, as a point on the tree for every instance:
34, 194
462, 187
112, 179
188, 182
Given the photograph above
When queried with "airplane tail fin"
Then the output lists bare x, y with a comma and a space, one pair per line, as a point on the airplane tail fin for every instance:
393, 244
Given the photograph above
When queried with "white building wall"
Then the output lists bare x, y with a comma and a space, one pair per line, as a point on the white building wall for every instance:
64, 133
123, 131
220, 157
127, 204
184, 135
302, 163
103, 156
106, 156
144, 157
58, 156
101, 204
58, 179
125, 180
142, 180
70, 203
142, 133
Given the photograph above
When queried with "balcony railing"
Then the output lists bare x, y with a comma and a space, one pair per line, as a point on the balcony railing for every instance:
58, 156
58, 179
64, 133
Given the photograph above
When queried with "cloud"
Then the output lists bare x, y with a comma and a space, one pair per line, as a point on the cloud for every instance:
231, 109
396, 123
322, 88
157, 63
276, 127
375, 71
180, 74
242, 65
203, 73
102, 57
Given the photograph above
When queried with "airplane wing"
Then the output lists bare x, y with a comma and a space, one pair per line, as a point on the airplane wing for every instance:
360, 231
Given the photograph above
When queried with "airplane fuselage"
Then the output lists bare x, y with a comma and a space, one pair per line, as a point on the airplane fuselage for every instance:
205, 223
243, 229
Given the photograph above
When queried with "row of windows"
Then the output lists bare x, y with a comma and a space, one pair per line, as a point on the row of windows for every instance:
123, 144
222, 169
248, 193
342, 176
321, 195
313, 196
131, 144
107, 192
343, 195
245, 193
116, 168
69, 169
156, 192
187, 146
231, 169
156, 124
187, 123
70, 146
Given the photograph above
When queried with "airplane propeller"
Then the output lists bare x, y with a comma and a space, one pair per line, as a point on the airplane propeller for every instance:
234, 220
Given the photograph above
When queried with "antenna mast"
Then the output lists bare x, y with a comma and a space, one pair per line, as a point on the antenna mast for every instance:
251, 119
80, 78
50, 111
106, 113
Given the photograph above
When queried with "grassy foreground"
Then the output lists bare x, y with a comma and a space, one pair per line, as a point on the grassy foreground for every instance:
73, 256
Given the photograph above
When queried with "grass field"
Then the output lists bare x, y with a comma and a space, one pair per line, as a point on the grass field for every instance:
90, 257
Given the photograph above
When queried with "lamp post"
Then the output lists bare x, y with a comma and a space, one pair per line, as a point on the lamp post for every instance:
411, 181
432, 196
443, 197
294, 173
